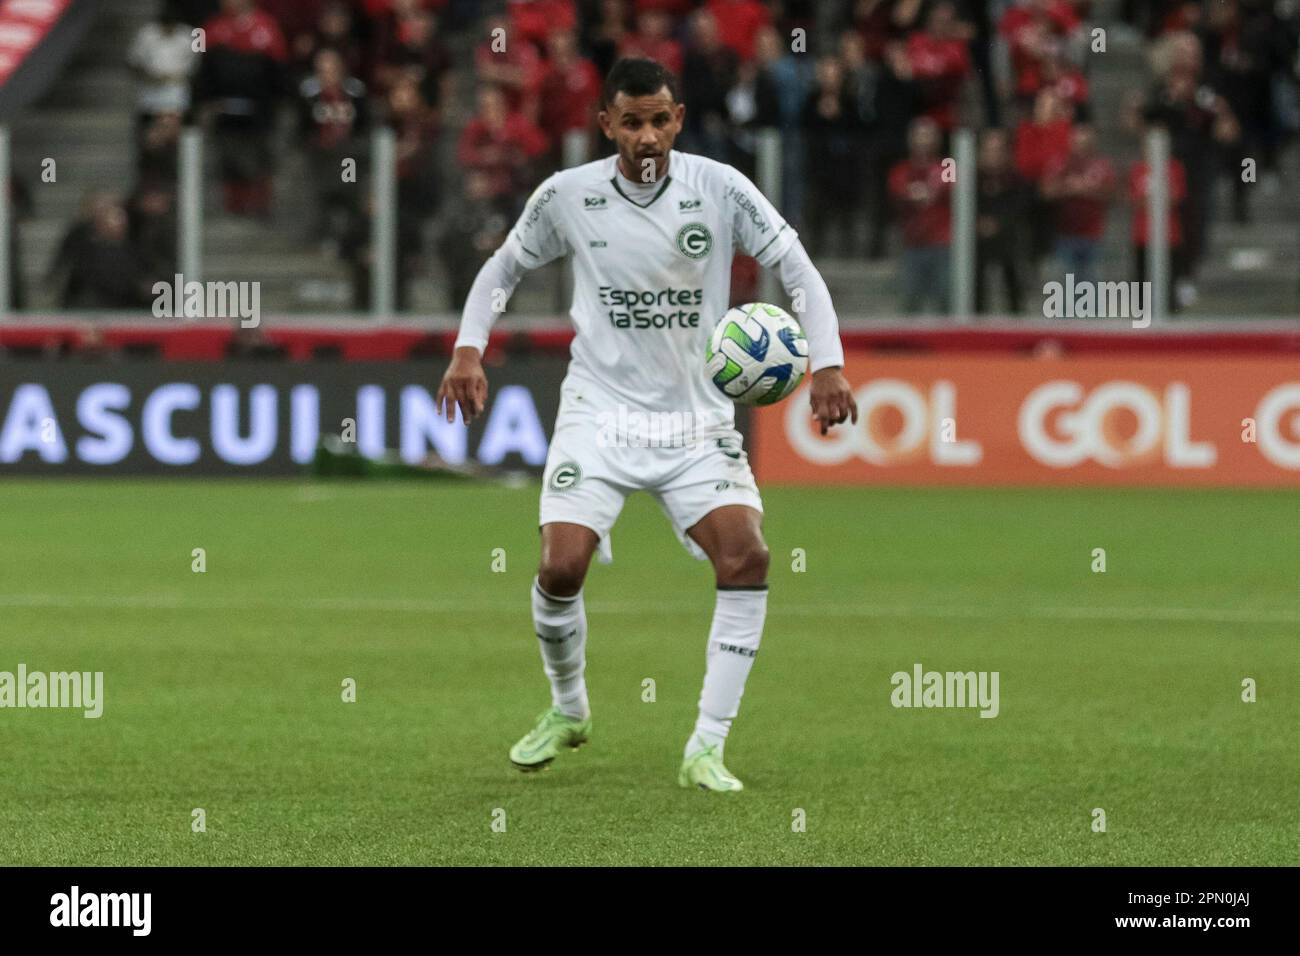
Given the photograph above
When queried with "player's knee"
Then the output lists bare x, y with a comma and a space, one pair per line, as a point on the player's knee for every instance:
744, 565
561, 576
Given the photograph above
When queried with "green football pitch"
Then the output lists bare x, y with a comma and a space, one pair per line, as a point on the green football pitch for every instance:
223, 692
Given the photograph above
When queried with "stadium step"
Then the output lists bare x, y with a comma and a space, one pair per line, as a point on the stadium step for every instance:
98, 88
84, 122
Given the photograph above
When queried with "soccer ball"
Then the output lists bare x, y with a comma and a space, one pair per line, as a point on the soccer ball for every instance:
757, 354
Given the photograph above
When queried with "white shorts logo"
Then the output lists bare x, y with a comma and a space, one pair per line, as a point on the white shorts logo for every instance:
565, 476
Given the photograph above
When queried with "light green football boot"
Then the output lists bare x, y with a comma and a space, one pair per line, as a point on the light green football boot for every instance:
704, 769
554, 730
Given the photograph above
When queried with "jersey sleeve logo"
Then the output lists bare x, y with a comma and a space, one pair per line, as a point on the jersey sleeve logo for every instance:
694, 240
749, 208
538, 203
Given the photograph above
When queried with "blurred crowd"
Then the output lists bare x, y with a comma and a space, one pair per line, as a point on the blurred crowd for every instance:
487, 98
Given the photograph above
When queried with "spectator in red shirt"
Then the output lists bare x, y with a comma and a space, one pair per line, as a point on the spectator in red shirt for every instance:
922, 191
1068, 82
653, 40
1172, 16
532, 21
1040, 141
1036, 31
570, 93
940, 62
738, 23
502, 144
1138, 184
1080, 186
501, 61
1044, 137
240, 79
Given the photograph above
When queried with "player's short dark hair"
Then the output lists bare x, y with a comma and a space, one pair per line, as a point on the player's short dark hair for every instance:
637, 76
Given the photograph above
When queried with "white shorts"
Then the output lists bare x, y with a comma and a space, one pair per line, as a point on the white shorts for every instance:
587, 480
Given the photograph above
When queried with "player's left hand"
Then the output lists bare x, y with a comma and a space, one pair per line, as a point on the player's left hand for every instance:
831, 398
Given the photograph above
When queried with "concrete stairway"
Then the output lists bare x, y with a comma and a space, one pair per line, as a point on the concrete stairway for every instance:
84, 124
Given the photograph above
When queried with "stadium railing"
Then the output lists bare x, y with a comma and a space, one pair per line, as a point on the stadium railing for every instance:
384, 239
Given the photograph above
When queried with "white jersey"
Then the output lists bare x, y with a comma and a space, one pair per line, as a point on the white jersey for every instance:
651, 278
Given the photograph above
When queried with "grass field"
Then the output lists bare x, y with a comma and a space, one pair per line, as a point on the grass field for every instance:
1119, 690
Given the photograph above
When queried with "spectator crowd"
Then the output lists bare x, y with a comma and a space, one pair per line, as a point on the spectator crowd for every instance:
485, 99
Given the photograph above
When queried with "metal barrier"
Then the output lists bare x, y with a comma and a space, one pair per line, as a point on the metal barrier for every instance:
383, 187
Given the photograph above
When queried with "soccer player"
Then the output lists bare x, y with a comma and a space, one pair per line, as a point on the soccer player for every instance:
651, 232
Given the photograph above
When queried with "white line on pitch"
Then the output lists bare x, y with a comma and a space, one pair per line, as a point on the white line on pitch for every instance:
165, 602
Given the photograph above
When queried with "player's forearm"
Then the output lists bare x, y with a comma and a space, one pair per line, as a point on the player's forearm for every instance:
487, 299
806, 288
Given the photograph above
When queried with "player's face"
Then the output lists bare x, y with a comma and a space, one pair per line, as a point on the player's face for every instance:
643, 129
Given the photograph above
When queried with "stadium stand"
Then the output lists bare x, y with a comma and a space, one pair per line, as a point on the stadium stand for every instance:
1220, 76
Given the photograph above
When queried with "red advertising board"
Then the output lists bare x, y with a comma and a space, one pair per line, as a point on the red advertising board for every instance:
955, 420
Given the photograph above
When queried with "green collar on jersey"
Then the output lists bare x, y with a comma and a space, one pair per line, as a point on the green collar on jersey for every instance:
619, 189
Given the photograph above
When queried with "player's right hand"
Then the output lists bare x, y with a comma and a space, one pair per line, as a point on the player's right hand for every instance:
464, 384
